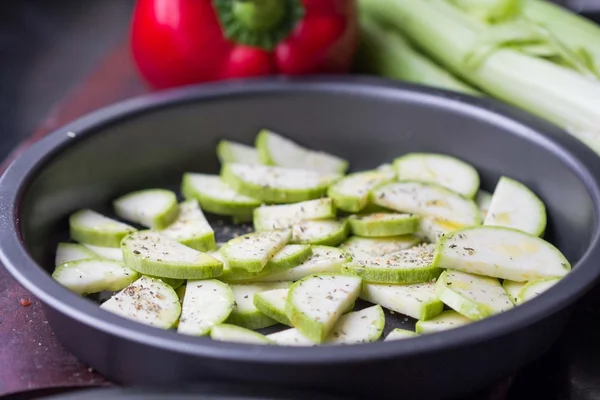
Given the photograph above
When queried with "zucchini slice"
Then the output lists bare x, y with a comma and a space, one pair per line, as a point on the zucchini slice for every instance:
427, 199
244, 312
274, 149
445, 321
285, 216
206, 303
290, 337
483, 201
535, 288
383, 224
324, 233
516, 206
315, 303
68, 252
88, 226
217, 197
152, 208
418, 301
237, 334
253, 251
398, 334
276, 184
234, 152
443, 170
432, 228
512, 289
364, 249
148, 301
111, 253
174, 283
324, 259
351, 193
90, 275
191, 228
501, 253
474, 296
152, 253
414, 265
272, 304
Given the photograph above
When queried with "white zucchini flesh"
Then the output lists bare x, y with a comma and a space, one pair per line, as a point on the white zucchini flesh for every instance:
67, 252
351, 193
501, 253
253, 251
365, 249
433, 229
152, 253
516, 206
112, 253
324, 259
474, 296
315, 303
277, 184
88, 226
272, 304
275, 149
244, 312
535, 288
237, 334
512, 289
90, 275
325, 233
191, 227
285, 216
229, 151
445, 321
148, 301
483, 201
383, 224
443, 170
427, 199
206, 303
399, 334
418, 301
290, 337
152, 208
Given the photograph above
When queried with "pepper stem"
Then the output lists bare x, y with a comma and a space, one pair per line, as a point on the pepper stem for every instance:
259, 15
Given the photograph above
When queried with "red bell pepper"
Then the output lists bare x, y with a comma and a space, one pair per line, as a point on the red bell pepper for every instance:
179, 42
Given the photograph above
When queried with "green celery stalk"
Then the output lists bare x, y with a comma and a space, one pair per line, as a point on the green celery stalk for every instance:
449, 36
388, 54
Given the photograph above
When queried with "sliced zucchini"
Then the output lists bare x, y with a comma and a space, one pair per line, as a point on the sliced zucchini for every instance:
217, 197
285, 216
237, 334
362, 326
445, 321
272, 304
191, 228
432, 228
535, 288
483, 201
398, 334
152, 208
290, 337
274, 149
88, 226
315, 303
516, 206
414, 265
501, 253
512, 289
324, 233
324, 259
174, 283
148, 301
443, 170
111, 253
90, 275
383, 224
363, 249
276, 184
474, 296
181, 293
234, 152
351, 193
152, 253
244, 312
206, 303
252, 251
427, 199
67, 252
418, 301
